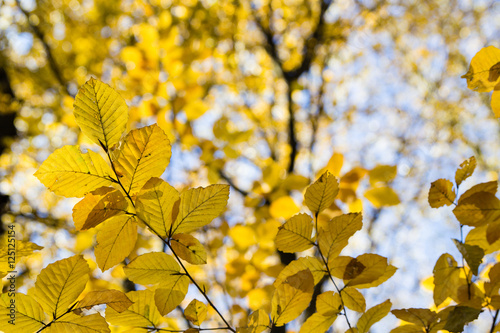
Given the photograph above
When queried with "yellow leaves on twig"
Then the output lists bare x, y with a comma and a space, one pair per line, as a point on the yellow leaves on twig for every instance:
196, 312
321, 194
295, 234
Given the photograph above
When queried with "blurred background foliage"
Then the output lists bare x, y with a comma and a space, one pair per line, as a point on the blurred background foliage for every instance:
263, 95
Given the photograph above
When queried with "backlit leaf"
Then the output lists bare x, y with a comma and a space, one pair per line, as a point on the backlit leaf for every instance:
465, 170
490, 187
93, 323
196, 312
115, 240
472, 254
152, 267
382, 196
144, 153
189, 248
409, 329
373, 315
353, 299
446, 278
328, 304
364, 269
199, 206
98, 206
258, 321
335, 235
420, 317
142, 313
459, 317
313, 264
317, 323
321, 194
441, 193
113, 298
28, 315
295, 234
101, 113
382, 173
284, 207
478, 209
70, 173
59, 284
495, 103
155, 204
292, 297
171, 293
484, 70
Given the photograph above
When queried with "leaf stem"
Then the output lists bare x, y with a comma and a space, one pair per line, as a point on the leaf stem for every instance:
493, 324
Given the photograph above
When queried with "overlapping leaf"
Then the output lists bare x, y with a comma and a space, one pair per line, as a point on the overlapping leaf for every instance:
101, 113
29, 314
472, 254
490, 187
196, 312
359, 271
98, 206
155, 205
142, 313
446, 278
321, 194
465, 170
144, 153
171, 293
478, 209
189, 248
313, 264
328, 304
93, 323
420, 317
199, 206
295, 234
484, 70
353, 299
258, 321
70, 173
373, 315
113, 298
152, 267
317, 323
336, 235
59, 284
115, 240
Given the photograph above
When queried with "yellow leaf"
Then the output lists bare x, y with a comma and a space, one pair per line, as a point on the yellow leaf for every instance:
364, 269
70, 173
23, 248
295, 234
441, 193
334, 236
195, 109
284, 207
409, 329
155, 205
420, 317
28, 316
113, 298
484, 70
495, 103
490, 187
321, 194
59, 284
382, 196
199, 206
142, 313
478, 209
258, 321
171, 293
313, 264
115, 240
389, 272
243, 236
373, 315
317, 323
328, 304
93, 323
382, 173
196, 312
446, 279
101, 113
189, 248
465, 170
353, 299
98, 206
152, 267
144, 153
335, 164
292, 297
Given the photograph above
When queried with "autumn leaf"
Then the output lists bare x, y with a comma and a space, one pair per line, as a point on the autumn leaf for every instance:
441, 193
336, 233
189, 248
70, 173
465, 170
478, 209
313, 264
171, 292
113, 298
459, 317
484, 70
490, 187
317, 323
74, 323
295, 234
321, 194
362, 270
142, 313
472, 254
328, 304
152, 267
101, 113
382, 174
29, 314
446, 278
353, 299
258, 321
196, 312
373, 315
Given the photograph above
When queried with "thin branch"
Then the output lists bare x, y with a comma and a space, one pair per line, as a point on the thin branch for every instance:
493, 324
232, 184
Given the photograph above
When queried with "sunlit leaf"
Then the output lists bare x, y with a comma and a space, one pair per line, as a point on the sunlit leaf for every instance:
199, 206
98, 206
364, 269
189, 248
317, 323
171, 293
446, 278
144, 153
459, 317
142, 313
478, 209
152, 267
28, 315
495, 103
313, 264
292, 297
389, 272
465, 170
93, 323
409, 329
373, 315
472, 254
335, 235
284, 207
101, 113
490, 187
258, 321
115, 241
295, 234
321, 194
196, 312
353, 299
70, 173
382, 173
484, 70
420, 317
382, 196
59, 284
328, 304
113, 298
441, 193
